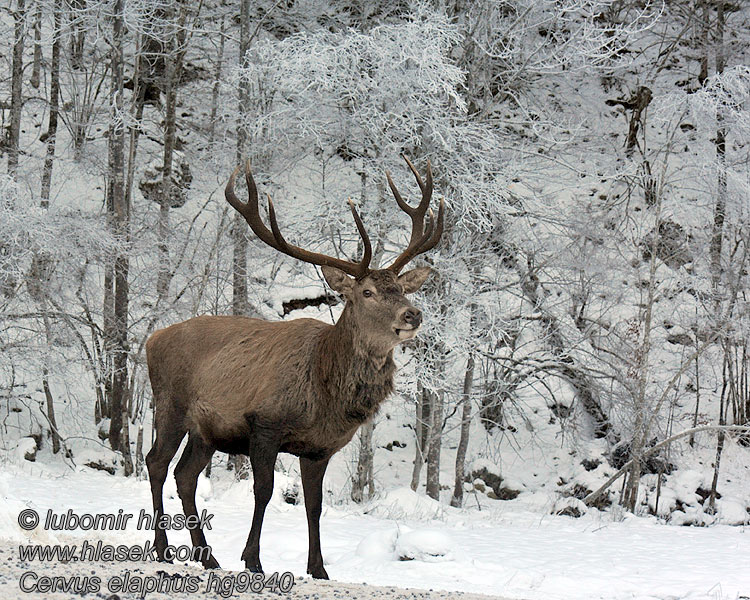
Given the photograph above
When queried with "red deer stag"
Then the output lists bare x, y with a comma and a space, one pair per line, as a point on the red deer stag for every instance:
254, 387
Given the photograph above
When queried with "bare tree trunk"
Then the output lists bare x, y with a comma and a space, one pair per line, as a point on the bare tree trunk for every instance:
717, 234
16, 87
641, 405
463, 442
50, 411
420, 434
42, 262
108, 319
77, 34
54, 107
164, 270
704, 27
125, 434
742, 413
727, 387
240, 305
120, 223
217, 83
173, 71
141, 80
139, 452
640, 101
691, 441
432, 484
363, 477
43, 273
37, 64
640, 429
717, 240
239, 275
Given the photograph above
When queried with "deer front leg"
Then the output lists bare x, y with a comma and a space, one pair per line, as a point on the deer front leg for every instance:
312, 483
262, 459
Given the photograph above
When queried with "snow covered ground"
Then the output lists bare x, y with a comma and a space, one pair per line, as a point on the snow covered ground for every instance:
407, 541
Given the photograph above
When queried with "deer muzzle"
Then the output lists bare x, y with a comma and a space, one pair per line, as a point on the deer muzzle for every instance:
410, 319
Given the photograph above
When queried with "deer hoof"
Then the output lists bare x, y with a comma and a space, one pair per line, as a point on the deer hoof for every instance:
318, 573
253, 568
161, 557
211, 563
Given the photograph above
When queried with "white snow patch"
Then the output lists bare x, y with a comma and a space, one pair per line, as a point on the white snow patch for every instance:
204, 490
571, 504
25, 445
403, 502
684, 483
424, 544
379, 545
731, 512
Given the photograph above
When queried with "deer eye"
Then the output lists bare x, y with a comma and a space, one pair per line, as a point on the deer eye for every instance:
367, 293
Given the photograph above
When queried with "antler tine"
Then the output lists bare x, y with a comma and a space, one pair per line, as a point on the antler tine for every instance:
367, 256
248, 210
421, 239
426, 242
425, 187
273, 237
417, 176
432, 240
283, 246
399, 200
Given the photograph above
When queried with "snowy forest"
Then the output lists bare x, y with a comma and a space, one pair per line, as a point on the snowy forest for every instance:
585, 339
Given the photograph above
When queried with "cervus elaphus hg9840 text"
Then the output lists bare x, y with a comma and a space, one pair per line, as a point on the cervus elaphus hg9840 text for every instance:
254, 387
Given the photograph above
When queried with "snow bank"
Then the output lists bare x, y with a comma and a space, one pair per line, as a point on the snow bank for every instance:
403, 543
402, 503
430, 545
379, 545
731, 512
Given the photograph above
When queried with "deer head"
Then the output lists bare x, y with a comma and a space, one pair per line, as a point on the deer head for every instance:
376, 297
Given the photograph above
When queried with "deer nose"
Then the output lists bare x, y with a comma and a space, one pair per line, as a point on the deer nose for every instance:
412, 316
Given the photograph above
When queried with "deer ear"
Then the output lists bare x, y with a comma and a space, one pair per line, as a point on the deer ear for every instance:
413, 280
338, 280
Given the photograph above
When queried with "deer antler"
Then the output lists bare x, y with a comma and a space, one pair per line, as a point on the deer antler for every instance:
274, 238
422, 238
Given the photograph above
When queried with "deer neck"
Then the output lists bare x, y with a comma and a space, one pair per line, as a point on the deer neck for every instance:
354, 371
348, 334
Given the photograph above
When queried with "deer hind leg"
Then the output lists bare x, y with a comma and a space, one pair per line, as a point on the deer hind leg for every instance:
194, 458
263, 451
312, 472
167, 442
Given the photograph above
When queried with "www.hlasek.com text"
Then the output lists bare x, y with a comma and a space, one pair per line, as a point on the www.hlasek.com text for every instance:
99, 551
163, 583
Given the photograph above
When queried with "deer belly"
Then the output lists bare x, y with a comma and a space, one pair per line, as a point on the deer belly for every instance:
238, 445
305, 450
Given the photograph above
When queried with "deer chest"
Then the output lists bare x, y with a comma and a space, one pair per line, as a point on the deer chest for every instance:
365, 401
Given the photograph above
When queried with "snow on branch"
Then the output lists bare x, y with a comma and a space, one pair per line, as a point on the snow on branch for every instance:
385, 85
26, 229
